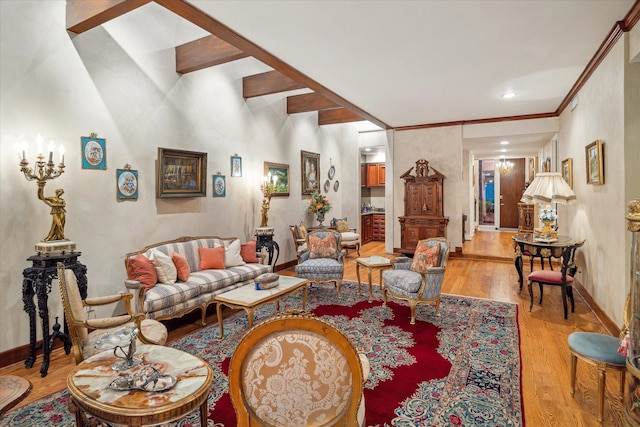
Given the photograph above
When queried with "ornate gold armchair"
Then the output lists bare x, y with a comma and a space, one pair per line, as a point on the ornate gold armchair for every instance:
297, 370
149, 331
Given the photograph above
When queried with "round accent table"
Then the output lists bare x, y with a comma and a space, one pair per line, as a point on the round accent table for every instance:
89, 382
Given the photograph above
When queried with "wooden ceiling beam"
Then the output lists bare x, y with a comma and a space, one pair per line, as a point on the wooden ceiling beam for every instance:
83, 15
309, 102
206, 52
268, 83
211, 25
337, 115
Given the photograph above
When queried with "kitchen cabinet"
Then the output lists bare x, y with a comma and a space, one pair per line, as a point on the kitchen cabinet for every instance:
423, 207
378, 227
366, 233
374, 174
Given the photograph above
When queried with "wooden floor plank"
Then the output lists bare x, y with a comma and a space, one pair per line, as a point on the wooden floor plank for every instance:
485, 271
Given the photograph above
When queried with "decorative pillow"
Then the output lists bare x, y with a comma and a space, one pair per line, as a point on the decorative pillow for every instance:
342, 226
248, 252
302, 232
334, 221
267, 281
232, 257
182, 266
425, 257
211, 258
165, 268
140, 268
322, 247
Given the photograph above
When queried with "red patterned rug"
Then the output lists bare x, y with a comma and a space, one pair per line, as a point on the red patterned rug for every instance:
461, 368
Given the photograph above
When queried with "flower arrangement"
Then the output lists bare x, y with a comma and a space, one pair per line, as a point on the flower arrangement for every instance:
318, 203
547, 214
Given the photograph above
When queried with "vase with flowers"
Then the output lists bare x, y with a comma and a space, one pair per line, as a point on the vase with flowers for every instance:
319, 205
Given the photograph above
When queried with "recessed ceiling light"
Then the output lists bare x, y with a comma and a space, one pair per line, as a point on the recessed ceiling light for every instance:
508, 95
504, 142
504, 150
367, 149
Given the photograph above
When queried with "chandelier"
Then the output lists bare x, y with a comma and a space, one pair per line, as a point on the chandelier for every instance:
504, 167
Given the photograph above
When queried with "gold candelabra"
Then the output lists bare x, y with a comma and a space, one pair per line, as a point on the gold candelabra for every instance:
43, 172
268, 187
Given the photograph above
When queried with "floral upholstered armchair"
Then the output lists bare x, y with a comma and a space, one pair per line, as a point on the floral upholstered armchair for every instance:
418, 280
297, 370
323, 260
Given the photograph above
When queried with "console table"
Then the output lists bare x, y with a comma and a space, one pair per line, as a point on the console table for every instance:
37, 282
525, 243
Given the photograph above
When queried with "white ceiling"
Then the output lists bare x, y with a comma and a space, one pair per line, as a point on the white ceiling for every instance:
422, 62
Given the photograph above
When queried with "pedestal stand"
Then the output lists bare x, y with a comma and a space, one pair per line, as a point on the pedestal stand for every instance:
37, 282
264, 239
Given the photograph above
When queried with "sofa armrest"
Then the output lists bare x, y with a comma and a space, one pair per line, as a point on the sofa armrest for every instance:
133, 285
138, 290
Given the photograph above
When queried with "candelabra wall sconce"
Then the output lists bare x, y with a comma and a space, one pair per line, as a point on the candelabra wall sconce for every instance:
42, 172
268, 187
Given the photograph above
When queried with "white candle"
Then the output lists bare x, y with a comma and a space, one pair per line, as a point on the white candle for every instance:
61, 153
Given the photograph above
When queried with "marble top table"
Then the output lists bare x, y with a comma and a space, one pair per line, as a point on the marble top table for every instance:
249, 298
89, 382
372, 263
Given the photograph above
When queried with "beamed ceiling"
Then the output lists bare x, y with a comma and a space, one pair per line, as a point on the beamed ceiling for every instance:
398, 64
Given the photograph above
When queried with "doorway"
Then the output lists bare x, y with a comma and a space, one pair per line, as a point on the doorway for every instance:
486, 192
511, 189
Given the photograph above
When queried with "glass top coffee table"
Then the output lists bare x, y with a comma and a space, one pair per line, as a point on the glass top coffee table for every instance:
248, 298
372, 263
90, 385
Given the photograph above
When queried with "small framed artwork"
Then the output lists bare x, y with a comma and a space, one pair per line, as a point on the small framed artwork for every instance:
281, 172
236, 166
94, 152
594, 155
546, 166
127, 183
532, 168
567, 171
181, 173
309, 163
219, 186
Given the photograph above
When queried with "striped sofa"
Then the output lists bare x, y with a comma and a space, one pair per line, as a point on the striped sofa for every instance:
168, 301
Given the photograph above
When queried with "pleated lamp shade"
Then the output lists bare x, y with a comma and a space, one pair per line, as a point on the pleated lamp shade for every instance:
547, 188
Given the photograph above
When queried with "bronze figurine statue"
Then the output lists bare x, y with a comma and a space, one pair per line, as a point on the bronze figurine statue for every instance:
58, 213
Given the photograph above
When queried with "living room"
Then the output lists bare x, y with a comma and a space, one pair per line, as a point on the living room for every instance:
120, 84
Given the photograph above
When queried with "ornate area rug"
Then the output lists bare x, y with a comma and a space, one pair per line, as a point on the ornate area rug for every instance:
461, 368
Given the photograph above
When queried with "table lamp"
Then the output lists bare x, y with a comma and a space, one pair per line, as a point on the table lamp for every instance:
547, 188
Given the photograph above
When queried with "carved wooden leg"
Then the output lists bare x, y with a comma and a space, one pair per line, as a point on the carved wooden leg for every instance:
602, 377
413, 304
574, 362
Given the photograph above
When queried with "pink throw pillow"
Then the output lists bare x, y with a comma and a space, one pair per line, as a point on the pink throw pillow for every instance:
182, 266
211, 258
140, 268
248, 251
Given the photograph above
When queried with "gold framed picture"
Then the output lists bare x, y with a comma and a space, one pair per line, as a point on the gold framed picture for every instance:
281, 172
594, 155
310, 165
567, 171
181, 173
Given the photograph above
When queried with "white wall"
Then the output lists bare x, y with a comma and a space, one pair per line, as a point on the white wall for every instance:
442, 148
110, 82
599, 213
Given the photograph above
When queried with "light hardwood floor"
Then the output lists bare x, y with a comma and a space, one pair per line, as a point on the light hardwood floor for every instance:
544, 332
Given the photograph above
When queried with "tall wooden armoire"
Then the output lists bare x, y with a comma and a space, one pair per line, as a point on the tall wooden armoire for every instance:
423, 207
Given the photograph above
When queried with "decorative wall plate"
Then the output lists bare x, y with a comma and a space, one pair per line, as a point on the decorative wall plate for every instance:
327, 186
332, 172
336, 185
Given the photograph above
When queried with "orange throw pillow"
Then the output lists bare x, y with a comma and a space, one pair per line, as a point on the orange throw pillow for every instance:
182, 266
140, 268
248, 252
425, 257
211, 258
323, 247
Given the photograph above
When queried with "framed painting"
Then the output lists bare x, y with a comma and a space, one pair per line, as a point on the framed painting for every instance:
219, 186
236, 166
281, 172
567, 171
532, 168
94, 152
309, 165
594, 156
127, 183
181, 173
